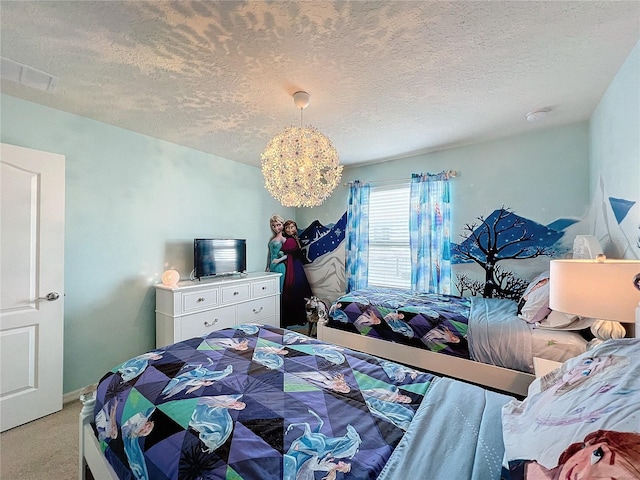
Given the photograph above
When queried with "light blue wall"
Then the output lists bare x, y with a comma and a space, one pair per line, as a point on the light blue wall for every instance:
542, 175
614, 140
133, 206
135, 203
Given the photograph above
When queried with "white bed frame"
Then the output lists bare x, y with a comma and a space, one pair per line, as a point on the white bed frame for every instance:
490, 376
90, 452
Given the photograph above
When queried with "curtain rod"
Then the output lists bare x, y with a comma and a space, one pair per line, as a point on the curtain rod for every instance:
400, 181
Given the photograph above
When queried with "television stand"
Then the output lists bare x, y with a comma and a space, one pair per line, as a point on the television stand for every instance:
196, 307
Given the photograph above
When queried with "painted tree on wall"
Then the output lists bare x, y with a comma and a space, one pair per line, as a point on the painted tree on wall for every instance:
509, 284
502, 235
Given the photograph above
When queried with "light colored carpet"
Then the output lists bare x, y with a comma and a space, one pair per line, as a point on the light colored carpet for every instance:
44, 449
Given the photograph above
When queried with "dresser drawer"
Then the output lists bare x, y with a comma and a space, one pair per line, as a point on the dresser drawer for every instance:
203, 323
199, 300
255, 310
260, 289
235, 293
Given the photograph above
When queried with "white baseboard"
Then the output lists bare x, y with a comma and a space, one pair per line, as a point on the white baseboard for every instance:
72, 396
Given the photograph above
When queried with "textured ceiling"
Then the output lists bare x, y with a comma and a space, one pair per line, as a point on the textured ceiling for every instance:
387, 79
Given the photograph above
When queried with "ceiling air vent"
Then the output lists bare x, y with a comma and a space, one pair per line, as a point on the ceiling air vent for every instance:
26, 75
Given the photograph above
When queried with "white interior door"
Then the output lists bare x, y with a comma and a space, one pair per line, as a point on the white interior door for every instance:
31, 284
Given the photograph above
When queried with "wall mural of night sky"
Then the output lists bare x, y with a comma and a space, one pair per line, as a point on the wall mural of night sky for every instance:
498, 254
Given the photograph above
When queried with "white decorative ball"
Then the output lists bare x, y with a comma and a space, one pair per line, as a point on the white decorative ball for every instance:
170, 278
604, 329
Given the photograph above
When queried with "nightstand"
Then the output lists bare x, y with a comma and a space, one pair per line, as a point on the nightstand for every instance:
542, 366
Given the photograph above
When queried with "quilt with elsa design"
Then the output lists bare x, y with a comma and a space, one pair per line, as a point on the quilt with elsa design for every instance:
486, 330
436, 322
255, 402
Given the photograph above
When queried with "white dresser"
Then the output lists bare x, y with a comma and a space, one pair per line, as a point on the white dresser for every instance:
195, 308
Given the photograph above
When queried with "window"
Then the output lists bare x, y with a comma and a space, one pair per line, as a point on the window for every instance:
389, 253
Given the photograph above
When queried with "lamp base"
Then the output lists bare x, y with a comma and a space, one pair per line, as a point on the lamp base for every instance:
606, 329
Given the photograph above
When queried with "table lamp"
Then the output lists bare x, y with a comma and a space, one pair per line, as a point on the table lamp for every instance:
600, 288
170, 278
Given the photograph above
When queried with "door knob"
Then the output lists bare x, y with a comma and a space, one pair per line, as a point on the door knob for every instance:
50, 296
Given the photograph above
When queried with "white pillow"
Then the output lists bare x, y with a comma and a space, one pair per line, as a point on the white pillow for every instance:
534, 304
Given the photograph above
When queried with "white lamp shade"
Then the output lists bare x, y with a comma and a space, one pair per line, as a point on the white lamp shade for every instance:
595, 289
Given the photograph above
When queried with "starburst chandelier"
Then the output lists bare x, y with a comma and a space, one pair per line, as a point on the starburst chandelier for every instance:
300, 165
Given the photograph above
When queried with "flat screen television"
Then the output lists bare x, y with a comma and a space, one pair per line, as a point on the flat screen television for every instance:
218, 256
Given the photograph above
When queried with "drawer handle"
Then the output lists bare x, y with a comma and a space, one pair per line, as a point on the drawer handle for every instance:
201, 299
257, 310
236, 293
210, 324
264, 288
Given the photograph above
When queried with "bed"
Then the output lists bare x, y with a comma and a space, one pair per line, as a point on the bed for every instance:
495, 343
488, 341
260, 402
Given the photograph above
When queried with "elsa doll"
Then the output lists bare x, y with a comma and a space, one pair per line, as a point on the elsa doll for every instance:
276, 258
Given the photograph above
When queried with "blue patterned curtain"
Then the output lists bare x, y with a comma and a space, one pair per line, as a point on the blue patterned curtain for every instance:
430, 233
357, 236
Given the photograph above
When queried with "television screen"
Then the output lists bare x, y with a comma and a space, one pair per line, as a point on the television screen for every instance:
216, 256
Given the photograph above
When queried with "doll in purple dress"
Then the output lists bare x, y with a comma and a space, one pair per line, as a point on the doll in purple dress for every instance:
296, 286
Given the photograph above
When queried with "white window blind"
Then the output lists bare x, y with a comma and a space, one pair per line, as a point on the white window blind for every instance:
389, 254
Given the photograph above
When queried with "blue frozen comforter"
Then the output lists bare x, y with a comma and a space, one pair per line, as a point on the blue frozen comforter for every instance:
485, 330
255, 402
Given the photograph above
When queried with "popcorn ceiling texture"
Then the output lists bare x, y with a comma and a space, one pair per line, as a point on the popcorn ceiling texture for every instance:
387, 79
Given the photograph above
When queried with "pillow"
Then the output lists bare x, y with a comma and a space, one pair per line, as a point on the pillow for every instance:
534, 304
591, 399
564, 321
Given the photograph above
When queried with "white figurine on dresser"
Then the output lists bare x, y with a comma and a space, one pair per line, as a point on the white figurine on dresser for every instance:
196, 307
